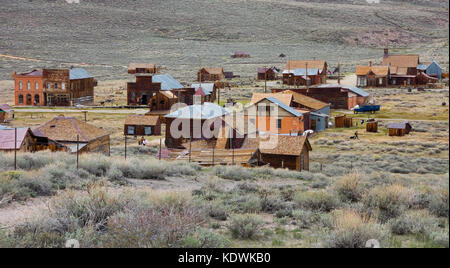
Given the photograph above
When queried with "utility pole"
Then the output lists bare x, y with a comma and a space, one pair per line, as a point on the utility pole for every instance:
339, 73
190, 149
78, 149
306, 78
15, 148
160, 146
265, 79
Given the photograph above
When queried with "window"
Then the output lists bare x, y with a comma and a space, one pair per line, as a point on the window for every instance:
394, 81
56, 85
49, 85
36, 99
278, 123
20, 99
63, 86
148, 130
20, 85
28, 99
380, 81
340, 103
409, 81
131, 130
36, 85
252, 121
28, 85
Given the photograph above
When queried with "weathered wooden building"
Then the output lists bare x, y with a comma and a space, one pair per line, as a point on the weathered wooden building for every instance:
194, 122
372, 76
399, 129
372, 126
142, 125
54, 87
143, 68
65, 130
273, 115
240, 54
338, 96
265, 73
303, 72
26, 141
432, 69
403, 68
207, 92
210, 74
6, 113
159, 92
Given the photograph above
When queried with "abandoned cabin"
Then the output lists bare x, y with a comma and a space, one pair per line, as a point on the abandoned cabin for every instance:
54, 87
265, 73
240, 54
159, 92
6, 113
142, 125
372, 76
26, 141
403, 68
273, 115
432, 69
210, 74
399, 129
207, 92
188, 123
72, 132
338, 96
143, 68
305, 72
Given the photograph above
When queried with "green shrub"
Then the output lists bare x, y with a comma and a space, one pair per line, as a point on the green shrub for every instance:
245, 227
439, 204
388, 201
305, 218
320, 201
349, 188
204, 238
235, 173
413, 223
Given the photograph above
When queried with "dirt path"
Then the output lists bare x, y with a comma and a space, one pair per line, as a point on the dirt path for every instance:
18, 212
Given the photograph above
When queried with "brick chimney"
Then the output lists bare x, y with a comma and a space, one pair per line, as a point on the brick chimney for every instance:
386, 52
370, 63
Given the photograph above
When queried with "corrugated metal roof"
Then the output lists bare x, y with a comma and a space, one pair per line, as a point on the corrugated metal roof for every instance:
167, 82
7, 137
422, 67
5, 107
401, 125
205, 111
284, 106
207, 88
142, 120
78, 73
302, 71
355, 90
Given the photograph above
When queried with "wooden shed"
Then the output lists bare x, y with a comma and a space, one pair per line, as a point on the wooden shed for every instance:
342, 121
6, 113
372, 126
142, 125
74, 133
399, 129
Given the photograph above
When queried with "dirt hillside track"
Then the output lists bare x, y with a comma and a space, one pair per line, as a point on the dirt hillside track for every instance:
104, 36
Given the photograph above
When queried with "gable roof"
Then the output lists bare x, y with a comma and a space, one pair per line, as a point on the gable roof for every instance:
7, 138
207, 88
262, 70
213, 70
291, 65
135, 65
377, 70
279, 144
5, 108
401, 125
302, 71
306, 101
424, 66
32, 73
142, 120
167, 81
206, 110
78, 73
63, 128
355, 90
168, 94
405, 61
282, 106
284, 98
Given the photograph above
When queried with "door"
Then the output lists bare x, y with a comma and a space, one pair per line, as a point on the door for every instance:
313, 124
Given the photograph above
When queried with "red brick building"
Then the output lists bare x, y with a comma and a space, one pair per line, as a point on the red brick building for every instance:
54, 87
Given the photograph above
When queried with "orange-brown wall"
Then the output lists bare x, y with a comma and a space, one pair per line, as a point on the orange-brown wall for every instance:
24, 92
288, 124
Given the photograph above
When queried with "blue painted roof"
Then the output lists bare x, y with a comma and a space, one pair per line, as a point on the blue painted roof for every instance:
284, 106
4, 127
422, 66
207, 87
207, 110
167, 82
78, 73
302, 71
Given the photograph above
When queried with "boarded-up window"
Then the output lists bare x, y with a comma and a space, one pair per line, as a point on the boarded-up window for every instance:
279, 123
130, 130
148, 131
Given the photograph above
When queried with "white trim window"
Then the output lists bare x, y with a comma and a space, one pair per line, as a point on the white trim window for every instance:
20, 85
131, 130
29, 85
148, 131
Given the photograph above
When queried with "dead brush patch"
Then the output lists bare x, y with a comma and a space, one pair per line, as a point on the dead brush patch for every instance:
350, 188
353, 230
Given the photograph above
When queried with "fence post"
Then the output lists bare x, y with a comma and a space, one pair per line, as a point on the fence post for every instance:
15, 148
78, 149
190, 149
160, 149
213, 156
